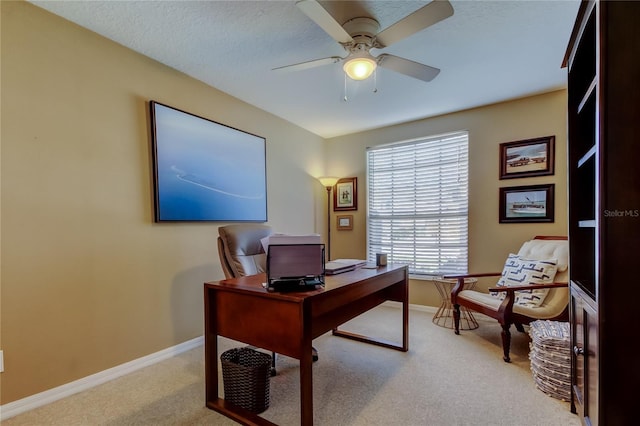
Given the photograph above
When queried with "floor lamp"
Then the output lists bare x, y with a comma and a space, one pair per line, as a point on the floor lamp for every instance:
328, 183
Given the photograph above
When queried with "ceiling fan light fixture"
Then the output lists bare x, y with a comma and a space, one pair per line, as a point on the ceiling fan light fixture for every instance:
360, 66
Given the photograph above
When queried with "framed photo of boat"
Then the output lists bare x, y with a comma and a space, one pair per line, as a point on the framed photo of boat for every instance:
526, 158
527, 204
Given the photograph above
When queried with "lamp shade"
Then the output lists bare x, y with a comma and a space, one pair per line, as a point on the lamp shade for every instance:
328, 181
360, 66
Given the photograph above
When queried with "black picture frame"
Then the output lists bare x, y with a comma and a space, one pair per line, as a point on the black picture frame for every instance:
527, 204
205, 171
527, 158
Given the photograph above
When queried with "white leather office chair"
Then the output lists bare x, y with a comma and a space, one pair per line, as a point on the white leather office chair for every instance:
241, 253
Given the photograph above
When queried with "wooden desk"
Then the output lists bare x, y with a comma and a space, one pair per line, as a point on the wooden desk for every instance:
286, 323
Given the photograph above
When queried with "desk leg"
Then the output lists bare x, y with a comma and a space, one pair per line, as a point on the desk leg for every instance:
306, 369
401, 292
306, 388
210, 349
405, 323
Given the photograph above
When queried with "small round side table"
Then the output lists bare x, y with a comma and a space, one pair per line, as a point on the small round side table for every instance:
444, 315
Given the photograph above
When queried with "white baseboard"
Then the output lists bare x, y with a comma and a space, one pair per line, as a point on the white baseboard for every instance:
43, 398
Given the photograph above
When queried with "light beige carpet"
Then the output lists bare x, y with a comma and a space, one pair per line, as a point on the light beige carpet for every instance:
444, 379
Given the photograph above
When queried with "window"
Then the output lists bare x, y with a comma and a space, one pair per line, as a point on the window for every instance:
417, 199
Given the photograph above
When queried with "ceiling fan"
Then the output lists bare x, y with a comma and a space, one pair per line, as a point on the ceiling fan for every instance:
359, 35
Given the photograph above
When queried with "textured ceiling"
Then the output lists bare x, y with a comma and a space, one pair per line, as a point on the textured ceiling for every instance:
488, 51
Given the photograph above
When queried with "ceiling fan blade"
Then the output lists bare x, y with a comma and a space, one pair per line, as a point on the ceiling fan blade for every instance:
320, 16
407, 67
309, 64
422, 18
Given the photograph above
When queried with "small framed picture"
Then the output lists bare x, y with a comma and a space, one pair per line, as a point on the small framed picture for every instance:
345, 195
526, 158
344, 222
527, 204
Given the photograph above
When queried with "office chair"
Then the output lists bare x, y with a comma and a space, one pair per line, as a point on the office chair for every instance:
241, 253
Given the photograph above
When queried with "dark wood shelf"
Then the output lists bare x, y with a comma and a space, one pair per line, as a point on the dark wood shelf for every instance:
590, 92
604, 205
588, 156
587, 223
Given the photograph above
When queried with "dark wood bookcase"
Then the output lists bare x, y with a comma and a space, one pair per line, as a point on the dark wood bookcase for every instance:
603, 61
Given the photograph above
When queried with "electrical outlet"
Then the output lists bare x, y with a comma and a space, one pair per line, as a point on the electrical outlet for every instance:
1, 361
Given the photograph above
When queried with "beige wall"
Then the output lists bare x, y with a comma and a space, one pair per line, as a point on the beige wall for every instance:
489, 241
89, 281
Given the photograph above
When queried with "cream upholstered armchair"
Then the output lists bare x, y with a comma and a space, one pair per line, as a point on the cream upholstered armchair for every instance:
533, 285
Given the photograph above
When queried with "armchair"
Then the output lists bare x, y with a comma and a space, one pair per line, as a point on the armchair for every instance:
533, 285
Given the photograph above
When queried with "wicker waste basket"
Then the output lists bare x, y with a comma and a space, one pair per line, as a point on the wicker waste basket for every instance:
246, 373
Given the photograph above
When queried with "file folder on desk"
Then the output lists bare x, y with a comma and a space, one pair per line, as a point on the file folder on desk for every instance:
339, 266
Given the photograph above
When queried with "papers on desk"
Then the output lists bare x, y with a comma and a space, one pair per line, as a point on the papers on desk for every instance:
289, 239
339, 266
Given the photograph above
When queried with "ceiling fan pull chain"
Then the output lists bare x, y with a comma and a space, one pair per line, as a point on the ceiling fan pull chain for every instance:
345, 99
375, 80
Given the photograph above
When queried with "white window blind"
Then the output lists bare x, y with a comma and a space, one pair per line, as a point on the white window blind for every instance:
417, 196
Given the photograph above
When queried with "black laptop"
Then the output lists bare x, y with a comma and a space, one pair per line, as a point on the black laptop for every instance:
295, 267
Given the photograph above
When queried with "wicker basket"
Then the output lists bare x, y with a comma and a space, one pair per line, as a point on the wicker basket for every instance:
550, 357
246, 373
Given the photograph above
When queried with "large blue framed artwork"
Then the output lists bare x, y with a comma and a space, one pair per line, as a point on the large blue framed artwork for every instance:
206, 171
